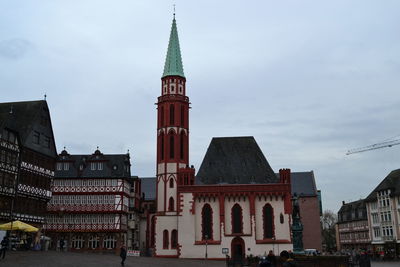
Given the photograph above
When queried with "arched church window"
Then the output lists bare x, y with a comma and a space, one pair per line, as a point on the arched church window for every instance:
206, 222
268, 218
162, 116
162, 146
281, 218
171, 204
182, 115
171, 114
237, 219
181, 145
165, 239
174, 239
171, 183
171, 146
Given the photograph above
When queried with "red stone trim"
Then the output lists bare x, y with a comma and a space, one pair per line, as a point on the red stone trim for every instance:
272, 241
209, 242
166, 256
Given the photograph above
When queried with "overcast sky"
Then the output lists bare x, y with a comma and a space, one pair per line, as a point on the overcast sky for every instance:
307, 79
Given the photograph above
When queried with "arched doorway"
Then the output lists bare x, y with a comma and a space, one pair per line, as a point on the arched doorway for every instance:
237, 250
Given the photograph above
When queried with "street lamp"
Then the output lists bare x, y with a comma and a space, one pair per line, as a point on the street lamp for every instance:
206, 237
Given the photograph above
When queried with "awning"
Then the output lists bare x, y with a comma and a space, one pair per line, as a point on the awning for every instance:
18, 225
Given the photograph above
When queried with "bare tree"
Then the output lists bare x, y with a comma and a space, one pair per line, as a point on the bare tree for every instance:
328, 221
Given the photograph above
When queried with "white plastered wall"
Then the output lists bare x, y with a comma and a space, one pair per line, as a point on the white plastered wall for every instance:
282, 231
165, 223
245, 205
214, 203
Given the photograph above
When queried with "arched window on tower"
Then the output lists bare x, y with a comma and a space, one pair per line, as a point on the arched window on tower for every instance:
237, 219
171, 114
171, 204
182, 115
206, 222
162, 146
182, 145
174, 239
171, 146
171, 183
162, 116
268, 219
165, 239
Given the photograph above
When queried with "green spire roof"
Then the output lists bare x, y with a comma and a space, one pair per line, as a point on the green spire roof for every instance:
173, 62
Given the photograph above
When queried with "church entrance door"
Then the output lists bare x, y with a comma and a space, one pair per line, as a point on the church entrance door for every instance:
237, 249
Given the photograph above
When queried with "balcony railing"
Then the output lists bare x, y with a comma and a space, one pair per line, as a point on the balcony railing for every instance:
87, 208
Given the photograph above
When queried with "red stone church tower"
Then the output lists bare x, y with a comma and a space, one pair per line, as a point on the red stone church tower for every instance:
172, 149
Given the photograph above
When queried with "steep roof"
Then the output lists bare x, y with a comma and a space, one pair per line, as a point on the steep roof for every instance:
26, 118
235, 160
303, 183
149, 187
173, 62
114, 165
352, 211
392, 182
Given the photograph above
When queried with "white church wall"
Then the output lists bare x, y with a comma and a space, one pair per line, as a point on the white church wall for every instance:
214, 204
245, 205
282, 231
165, 223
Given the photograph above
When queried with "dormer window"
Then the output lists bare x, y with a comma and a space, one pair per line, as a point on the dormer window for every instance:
100, 166
93, 166
36, 137
59, 166
66, 166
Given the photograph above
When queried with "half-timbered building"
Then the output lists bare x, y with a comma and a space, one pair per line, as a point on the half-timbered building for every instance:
93, 198
27, 160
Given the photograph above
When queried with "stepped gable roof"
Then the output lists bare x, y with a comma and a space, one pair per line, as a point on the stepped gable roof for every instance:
235, 160
27, 117
392, 182
351, 211
149, 187
114, 165
303, 183
173, 62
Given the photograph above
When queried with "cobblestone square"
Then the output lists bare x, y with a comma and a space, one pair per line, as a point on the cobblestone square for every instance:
71, 259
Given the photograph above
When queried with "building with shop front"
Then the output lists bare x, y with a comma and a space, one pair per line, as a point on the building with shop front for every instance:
352, 228
383, 208
94, 202
27, 160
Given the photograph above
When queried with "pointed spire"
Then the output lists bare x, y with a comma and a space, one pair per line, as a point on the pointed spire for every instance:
173, 62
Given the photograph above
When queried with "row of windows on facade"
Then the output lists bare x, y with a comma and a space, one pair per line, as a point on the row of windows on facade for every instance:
9, 157
78, 242
350, 236
86, 219
86, 182
385, 217
82, 200
171, 140
93, 166
387, 231
172, 89
8, 136
353, 224
174, 239
172, 115
41, 139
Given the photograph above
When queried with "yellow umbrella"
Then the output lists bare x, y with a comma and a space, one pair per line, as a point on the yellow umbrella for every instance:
18, 225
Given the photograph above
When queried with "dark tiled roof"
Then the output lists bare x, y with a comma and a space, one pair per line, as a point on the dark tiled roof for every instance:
149, 187
235, 160
27, 117
303, 183
353, 211
114, 165
392, 182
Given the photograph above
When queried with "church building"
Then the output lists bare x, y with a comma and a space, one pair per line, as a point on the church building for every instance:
236, 205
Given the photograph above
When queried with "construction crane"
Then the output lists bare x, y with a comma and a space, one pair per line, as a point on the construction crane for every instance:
389, 143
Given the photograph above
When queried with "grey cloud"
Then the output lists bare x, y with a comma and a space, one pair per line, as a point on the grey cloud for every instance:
14, 48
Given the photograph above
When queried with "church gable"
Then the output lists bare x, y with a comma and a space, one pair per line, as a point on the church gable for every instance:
235, 160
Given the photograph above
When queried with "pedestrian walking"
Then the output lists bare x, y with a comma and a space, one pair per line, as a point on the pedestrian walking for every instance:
123, 255
62, 243
4, 246
287, 261
271, 258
